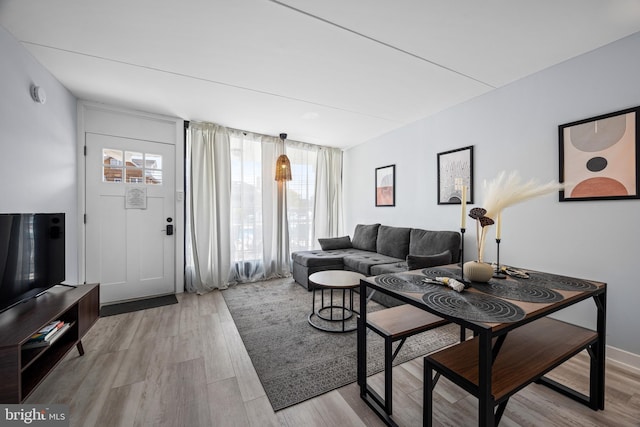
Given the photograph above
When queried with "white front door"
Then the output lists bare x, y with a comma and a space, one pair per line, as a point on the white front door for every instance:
130, 189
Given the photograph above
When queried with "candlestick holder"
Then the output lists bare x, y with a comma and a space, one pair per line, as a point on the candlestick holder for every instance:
498, 274
462, 230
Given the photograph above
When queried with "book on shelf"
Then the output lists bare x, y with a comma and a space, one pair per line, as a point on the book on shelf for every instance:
46, 332
52, 336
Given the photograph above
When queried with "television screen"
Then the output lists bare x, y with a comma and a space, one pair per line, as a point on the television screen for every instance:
31, 255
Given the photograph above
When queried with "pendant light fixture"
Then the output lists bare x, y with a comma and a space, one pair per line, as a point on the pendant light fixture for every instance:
283, 166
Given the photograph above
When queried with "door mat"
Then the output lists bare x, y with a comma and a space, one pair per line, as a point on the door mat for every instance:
142, 304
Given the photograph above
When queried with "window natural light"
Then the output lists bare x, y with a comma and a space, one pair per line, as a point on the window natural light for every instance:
246, 198
301, 197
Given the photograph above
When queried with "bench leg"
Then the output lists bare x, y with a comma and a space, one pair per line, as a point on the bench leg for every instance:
388, 376
427, 395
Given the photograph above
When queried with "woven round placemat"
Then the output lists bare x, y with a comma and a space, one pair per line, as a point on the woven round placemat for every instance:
563, 283
402, 282
518, 291
473, 306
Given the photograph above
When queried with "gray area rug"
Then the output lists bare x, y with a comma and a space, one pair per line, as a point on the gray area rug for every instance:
296, 362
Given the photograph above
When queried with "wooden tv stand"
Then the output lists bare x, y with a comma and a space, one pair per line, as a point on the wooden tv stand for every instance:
23, 369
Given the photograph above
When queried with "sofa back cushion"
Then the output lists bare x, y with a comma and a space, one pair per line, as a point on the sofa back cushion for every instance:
427, 242
332, 243
415, 262
364, 237
393, 241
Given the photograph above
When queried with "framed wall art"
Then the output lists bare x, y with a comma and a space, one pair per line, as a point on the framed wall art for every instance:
599, 157
386, 186
455, 170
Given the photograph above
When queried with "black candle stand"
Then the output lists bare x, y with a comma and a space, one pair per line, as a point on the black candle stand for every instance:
498, 274
462, 230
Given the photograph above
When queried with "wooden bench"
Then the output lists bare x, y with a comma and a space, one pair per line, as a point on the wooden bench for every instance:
525, 356
398, 323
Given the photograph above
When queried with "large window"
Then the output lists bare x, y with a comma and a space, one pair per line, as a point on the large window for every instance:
301, 198
247, 173
236, 223
246, 199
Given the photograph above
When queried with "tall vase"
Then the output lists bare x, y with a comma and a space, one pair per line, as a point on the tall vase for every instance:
477, 271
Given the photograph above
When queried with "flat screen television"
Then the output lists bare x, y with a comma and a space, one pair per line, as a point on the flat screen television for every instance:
31, 255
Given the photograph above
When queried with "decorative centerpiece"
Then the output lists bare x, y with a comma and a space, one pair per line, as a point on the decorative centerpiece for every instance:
479, 271
502, 192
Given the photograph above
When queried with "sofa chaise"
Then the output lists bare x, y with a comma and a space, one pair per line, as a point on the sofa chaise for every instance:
378, 249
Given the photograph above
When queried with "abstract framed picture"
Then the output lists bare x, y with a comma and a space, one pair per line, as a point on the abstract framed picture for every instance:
386, 186
599, 157
455, 171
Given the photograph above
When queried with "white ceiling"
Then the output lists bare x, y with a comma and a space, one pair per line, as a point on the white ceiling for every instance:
329, 72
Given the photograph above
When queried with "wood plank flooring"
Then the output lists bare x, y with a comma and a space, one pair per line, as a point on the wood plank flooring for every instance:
185, 365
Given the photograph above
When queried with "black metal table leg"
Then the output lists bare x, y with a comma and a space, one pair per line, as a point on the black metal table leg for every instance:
343, 309
362, 341
486, 417
388, 378
596, 382
427, 395
331, 305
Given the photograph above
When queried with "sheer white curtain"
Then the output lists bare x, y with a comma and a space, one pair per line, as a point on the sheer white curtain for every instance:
238, 225
208, 237
328, 220
301, 195
259, 229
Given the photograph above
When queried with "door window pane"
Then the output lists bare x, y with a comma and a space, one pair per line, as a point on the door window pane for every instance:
111, 157
112, 165
131, 167
133, 159
110, 174
134, 162
153, 177
153, 161
153, 169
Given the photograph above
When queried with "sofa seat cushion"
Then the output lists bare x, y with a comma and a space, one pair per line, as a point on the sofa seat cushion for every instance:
362, 263
394, 267
317, 258
321, 258
413, 262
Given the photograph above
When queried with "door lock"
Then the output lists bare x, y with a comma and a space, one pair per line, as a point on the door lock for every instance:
169, 229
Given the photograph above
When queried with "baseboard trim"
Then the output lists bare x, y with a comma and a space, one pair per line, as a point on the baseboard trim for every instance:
623, 357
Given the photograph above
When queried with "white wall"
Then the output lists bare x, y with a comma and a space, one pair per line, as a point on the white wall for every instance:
516, 128
37, 144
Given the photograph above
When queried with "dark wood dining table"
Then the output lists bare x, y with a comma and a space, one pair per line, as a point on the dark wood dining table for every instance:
515, 341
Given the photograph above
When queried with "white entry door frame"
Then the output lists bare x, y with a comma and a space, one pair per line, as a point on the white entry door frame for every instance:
129, 225
119, 123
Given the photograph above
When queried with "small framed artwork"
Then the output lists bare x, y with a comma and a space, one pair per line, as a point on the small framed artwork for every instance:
386, 186
455, 171
599, 157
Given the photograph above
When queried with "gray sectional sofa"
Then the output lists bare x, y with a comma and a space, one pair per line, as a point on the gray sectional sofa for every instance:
378, 249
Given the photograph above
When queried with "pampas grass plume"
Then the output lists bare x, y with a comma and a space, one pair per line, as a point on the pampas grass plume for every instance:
507, 190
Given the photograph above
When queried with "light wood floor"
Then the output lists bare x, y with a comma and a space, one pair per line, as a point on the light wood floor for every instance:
185, 365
